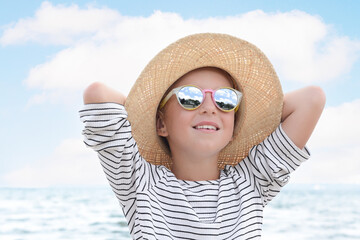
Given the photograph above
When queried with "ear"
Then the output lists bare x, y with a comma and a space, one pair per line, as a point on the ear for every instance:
160, 125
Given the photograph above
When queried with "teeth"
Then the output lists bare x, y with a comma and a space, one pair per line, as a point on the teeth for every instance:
206, 127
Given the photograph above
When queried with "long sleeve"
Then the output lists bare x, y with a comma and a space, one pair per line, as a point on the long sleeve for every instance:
270, 163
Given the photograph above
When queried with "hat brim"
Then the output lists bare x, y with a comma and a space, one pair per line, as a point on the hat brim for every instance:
261, 105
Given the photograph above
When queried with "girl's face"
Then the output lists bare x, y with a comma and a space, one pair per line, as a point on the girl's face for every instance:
188, 130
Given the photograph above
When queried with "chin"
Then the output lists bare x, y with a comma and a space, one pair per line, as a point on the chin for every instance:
210, 148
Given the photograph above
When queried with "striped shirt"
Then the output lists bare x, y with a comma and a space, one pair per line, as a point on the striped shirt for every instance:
157, 205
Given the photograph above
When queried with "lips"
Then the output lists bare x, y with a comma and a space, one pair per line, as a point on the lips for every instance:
206, 126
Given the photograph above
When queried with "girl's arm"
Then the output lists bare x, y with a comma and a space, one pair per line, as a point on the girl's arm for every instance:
100, 93
108, 132
301, 111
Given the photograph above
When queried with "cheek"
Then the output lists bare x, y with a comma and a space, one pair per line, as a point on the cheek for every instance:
178, 120
229, 123
176, 117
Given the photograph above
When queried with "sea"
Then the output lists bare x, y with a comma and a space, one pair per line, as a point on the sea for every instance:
299, 212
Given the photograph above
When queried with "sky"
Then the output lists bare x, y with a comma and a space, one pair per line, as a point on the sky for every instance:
51, 50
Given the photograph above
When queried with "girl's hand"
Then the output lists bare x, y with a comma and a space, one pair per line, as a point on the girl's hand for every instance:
99, 93
301, 112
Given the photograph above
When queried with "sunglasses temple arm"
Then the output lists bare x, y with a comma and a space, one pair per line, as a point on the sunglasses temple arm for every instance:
168, 96
240, 97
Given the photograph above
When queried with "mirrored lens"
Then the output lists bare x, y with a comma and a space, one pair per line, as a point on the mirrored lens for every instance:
190, 97
226, 99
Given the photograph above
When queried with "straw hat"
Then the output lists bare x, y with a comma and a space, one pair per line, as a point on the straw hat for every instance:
261, 104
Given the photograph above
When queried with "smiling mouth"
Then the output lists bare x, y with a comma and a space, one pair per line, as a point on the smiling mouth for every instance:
206, 127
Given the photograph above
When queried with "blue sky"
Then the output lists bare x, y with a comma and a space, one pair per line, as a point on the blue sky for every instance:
48, 58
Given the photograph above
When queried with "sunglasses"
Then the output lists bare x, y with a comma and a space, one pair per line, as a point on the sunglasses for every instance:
191, 97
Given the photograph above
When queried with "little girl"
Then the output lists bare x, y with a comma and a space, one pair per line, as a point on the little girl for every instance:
212, 139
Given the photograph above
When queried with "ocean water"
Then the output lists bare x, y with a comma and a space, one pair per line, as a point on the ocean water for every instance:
305, 212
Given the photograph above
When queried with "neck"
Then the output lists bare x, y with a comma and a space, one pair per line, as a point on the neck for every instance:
194, 168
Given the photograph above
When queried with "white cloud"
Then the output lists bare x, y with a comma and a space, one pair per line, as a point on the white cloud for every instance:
335, 166
59, 24
338, 127
335, 147
105, 46
71, 164
74, 68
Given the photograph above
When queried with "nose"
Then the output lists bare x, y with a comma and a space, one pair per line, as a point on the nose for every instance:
208, 105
